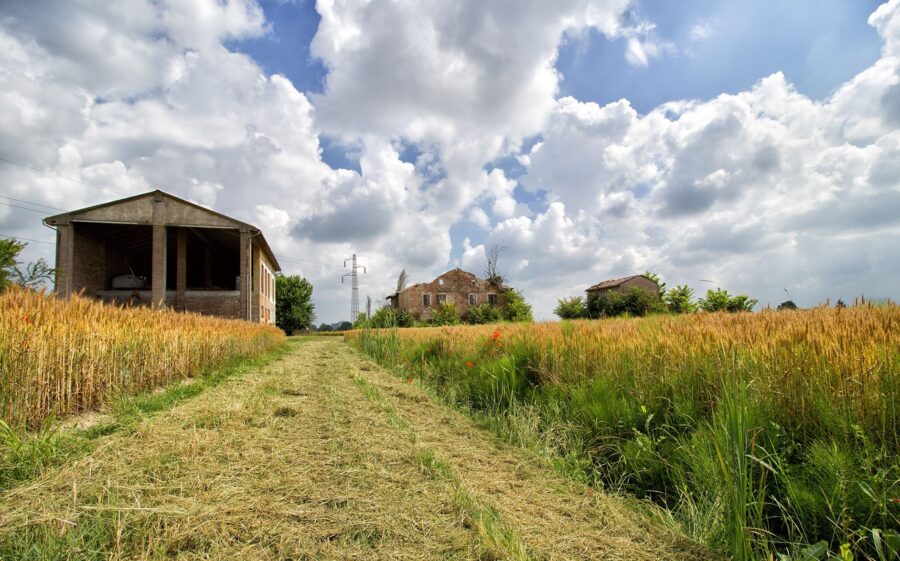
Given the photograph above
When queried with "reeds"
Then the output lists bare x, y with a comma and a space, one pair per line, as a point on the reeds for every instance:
59, 357
761, 433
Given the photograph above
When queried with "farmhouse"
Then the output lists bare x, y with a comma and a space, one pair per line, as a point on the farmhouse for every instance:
158, 250
623, 285
457, 287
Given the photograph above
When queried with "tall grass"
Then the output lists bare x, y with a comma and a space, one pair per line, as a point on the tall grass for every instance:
761, 433
59, 357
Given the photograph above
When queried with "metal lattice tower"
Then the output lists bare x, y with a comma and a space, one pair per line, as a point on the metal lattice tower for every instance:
354, 286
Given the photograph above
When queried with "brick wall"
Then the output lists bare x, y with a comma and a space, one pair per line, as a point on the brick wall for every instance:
221, 303
636, 282
89, 265
456, 285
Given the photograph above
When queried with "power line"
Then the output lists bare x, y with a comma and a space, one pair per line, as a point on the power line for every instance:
26, 208
30, 202
301, 262
7, 236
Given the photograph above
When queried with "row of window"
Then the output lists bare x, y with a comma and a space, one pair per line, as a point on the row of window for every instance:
473, 299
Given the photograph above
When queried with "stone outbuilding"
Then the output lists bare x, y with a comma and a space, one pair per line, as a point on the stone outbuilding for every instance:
158, 250
623, 285
457, 287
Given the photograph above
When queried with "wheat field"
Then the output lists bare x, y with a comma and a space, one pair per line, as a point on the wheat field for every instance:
59, 357
759, 433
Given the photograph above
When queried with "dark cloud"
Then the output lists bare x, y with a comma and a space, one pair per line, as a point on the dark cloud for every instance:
356, 220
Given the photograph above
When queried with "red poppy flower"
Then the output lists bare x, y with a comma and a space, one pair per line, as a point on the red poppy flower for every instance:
470, 364
496, 334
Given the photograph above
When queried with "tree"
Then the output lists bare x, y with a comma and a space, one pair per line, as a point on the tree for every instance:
402, 280
35, 274
294, 308
679, 300
491, 268
655, 278
720, 301
517, 309
325, 327
787, 305
571, 308
9, 250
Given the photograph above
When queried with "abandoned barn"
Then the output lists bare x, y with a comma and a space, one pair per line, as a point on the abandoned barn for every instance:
457, 287
623, 285
158, 250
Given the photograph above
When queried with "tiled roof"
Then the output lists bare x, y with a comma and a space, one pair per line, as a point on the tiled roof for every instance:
612, 283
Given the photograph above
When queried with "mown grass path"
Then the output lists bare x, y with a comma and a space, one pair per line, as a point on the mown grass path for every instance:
320, 455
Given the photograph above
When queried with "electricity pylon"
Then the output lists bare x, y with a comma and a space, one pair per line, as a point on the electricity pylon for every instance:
354, 284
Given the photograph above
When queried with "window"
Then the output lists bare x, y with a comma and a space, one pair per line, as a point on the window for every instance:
441, 298
492, 299
426, 300
473, 298
441, 282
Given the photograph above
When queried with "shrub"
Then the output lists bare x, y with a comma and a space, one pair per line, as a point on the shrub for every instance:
386, 317
720, 301
636, 302
484, 313
679, 300
571, 308
445, 314
787, 305
516, 309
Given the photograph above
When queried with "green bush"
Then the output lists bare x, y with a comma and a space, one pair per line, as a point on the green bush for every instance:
636, 302
445, 314
484, 313
516, 309
679, 300
720, 301
787, 305
571, 308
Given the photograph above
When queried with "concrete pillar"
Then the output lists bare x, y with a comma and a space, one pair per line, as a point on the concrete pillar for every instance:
158, 264
181, 269
65, 247
158, 283
245, 249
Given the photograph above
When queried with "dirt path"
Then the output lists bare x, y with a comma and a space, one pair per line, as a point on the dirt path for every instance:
321, 455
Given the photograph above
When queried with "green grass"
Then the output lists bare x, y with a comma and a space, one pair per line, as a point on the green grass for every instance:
25, 454
757, 443
501, 541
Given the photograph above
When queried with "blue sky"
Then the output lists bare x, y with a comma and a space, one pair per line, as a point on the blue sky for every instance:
399, 130
817, 44
717, 46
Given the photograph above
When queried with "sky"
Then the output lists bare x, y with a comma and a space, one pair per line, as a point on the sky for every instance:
753, 146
